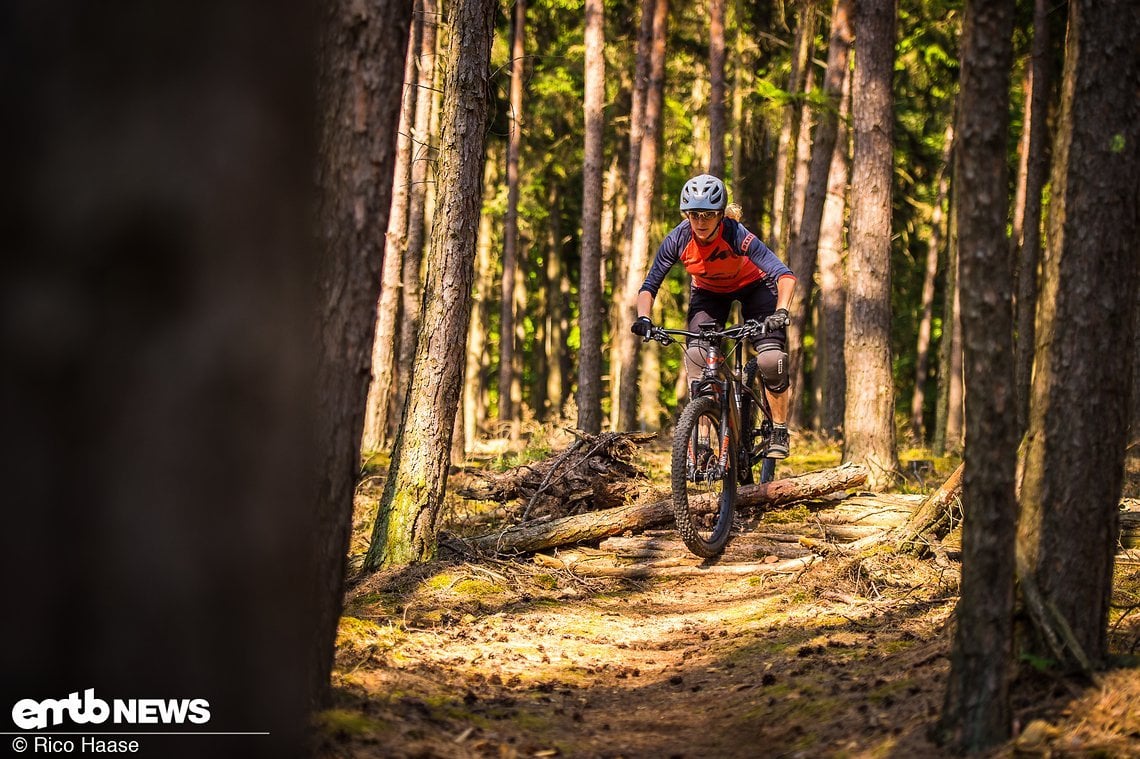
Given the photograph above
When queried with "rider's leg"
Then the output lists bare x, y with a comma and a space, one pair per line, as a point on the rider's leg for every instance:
704, 307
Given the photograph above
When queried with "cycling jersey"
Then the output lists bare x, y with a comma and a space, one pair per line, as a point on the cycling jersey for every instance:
732, 260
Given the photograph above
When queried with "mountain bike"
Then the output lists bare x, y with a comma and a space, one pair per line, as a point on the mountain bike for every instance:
716, 441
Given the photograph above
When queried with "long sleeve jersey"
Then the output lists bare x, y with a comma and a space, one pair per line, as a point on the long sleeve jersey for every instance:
731, 260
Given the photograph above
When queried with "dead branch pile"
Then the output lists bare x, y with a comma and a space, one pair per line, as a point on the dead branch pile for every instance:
595, 472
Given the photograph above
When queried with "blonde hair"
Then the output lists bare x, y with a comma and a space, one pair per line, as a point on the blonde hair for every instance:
734, 211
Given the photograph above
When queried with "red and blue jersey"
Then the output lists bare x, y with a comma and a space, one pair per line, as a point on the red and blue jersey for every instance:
732, 260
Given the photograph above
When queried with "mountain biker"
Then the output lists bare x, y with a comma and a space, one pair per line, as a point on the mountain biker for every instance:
727, 263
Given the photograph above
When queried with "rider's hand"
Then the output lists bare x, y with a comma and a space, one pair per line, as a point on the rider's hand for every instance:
777, 320
642, 326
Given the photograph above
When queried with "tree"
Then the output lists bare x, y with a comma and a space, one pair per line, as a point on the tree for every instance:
507, 410
1067, 533
639, 245
379, 405
789, 128
716, 89
422, 139
590, 284
831, 368
806, 241
1027, 209
977, 710
869, 430
157, 335
417, 477
933, 252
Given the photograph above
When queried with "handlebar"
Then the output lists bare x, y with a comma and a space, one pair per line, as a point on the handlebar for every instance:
750, 328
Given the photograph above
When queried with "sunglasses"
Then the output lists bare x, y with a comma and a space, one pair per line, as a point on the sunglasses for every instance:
703, 215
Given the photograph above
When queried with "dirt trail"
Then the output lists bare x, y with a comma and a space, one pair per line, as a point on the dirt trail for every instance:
844, 659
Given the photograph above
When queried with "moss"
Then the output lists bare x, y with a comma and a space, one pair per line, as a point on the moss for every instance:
797, 513
547, 582
343, 722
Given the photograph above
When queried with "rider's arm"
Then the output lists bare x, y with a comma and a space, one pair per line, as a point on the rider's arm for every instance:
667, 254
785, 286
644, 303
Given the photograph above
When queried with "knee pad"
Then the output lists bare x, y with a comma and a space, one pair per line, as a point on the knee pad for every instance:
773, 364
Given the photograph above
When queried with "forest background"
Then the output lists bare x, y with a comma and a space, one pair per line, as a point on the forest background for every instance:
160, 309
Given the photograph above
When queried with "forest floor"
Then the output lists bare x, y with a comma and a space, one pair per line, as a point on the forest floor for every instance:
468, 657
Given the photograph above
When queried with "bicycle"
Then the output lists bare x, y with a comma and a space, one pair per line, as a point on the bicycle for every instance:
708, 460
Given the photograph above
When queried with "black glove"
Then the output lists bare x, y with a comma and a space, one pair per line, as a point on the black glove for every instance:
777, 320
642, 326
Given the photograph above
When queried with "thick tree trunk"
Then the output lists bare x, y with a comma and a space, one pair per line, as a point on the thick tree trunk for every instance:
591, 312
157, 331
413, 493
869, 428
802, 257
977, 713
595, 525
1068, 525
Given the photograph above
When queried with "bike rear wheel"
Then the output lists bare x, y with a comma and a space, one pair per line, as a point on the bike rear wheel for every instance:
704, 490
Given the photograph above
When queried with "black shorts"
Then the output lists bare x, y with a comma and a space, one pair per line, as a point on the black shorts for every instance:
757, 301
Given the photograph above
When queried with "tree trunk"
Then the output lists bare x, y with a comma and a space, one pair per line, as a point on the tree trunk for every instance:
507, 410
976, 713
1029, 242
948, 414
716, 88
413, 493
595, 525
789, 128
1068, 526
475, 375
803, 253
642, 210
422, 138
922, 349
831, 376
158, 332
379, 404
869, 429
591, 311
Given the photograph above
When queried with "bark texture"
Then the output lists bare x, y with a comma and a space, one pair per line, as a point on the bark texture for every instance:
405, 523
590, 283
1077, 424
869, 429
977, 711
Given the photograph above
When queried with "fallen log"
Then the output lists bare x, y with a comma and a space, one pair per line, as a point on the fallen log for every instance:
581, 528
593, 567
746, 547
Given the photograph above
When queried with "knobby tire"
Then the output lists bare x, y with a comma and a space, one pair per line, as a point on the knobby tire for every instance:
690, 524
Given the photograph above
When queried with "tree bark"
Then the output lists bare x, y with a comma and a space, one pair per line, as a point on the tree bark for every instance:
641, 211
1073, 472
789, 128
591, 311
716, 88
413, 493
418, 218
1037, 169
976, 713
475, 380
869, 429
948, 418
507, 410
933, 252
804, 252
831, 374
595, 525
379, 404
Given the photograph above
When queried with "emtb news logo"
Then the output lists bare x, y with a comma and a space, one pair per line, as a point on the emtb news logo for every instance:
29, 714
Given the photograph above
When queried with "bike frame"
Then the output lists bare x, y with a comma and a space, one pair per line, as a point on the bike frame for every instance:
724, 380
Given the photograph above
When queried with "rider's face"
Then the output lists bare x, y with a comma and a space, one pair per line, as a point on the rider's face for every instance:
704, 223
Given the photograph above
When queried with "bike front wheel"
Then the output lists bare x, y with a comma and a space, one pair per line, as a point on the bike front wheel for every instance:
703, 478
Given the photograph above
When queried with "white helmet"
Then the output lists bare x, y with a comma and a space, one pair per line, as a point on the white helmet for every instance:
704, 193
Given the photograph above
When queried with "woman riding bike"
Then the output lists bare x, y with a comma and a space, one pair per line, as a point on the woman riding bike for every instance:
727, 263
